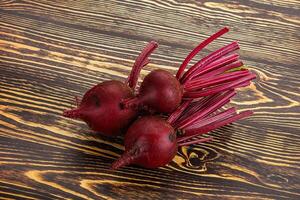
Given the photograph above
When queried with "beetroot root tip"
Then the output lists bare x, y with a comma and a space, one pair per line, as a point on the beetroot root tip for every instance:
73, 113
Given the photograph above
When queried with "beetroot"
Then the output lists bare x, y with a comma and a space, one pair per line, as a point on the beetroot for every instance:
101, 107
152, 142
159, 91
162, 92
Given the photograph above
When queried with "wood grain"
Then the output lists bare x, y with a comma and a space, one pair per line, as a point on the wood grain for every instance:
51, 51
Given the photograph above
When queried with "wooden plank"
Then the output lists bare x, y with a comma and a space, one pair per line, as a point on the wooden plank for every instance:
51, 51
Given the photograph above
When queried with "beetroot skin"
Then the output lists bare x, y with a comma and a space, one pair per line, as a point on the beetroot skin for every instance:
159, 91
153, 148
100, 108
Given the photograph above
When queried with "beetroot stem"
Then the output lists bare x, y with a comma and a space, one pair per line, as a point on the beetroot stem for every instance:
195, 107
145, 62
224, 69
220, 88
221, 115
176, 114
204, 122
140, 62
200, 72
209, 59
223, 78
211, 107
199, 48
193, 132
245, 84
131, 102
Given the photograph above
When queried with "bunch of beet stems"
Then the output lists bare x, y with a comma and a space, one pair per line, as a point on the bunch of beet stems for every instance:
154, 144
196, 118
207, 87
210, 75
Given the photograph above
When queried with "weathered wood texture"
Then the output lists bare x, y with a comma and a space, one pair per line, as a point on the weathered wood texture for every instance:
52, 50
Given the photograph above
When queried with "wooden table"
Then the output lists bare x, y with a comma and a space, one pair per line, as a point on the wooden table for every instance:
51, 51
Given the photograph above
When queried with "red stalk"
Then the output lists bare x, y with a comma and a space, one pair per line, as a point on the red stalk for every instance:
243, 84
217, 89
224, 69
212, 106
140, 62
131, 103
222, 115
200, 72
193, 132
215, 80
208, 59
195, 107
199, 48
176, 114
145, 62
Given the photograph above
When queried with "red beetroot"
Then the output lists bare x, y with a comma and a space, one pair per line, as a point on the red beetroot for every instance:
162, 92
101, 107
159, 91
152, 142
149, 142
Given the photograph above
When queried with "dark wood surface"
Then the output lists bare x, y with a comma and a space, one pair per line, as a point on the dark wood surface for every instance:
51, 51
